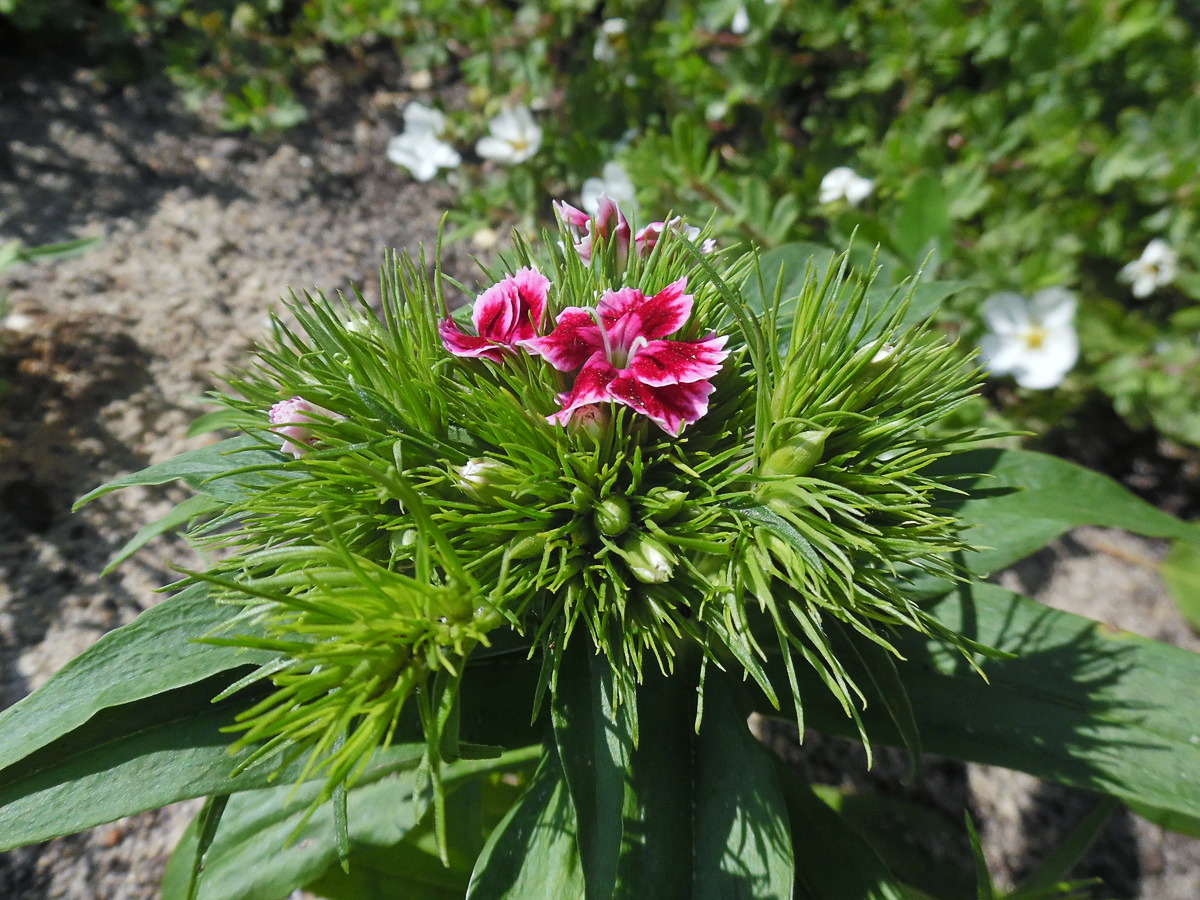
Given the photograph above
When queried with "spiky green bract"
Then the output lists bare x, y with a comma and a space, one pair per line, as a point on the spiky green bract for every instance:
438, 505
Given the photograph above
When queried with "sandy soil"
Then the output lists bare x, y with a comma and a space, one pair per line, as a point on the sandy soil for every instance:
105, 355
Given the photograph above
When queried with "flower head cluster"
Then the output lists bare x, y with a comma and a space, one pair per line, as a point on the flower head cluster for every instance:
608, 225
419, 148
1157, 266
1032, 340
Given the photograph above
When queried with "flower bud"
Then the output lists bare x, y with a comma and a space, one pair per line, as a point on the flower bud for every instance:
612, 515
591, 419
528, 547
796, 457
290, 420
663, 504
649, 560
483, 478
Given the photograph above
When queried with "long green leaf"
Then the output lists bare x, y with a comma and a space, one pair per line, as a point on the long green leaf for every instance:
1181, 574
1022, 500
532, 852
156, 652
214, 470
257, 851
595, 742
708, 818
832, 860
169, 747
1082, 704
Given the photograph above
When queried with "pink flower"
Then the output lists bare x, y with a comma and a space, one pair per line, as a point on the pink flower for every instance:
647, 238
290, 420
508, 312
609, 223
622, 357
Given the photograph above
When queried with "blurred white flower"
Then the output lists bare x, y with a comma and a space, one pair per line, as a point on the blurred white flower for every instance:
612, 35
843, 183
419, 117
422, 153
1157, 266
740, 23
418, 148
1032, 340
514, 137
613, 181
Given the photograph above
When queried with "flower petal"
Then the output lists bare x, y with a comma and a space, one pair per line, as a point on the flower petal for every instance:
661, 363
1006, 313
670, 407
1053, 307
467, 345
511, 310
628, 313
591, 386
575, 338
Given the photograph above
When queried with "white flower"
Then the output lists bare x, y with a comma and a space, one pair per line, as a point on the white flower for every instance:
422, 153
1032, 340
740, 23
418, 118
1156, 267
612, 33
514, 137
614, 181
843, 183
418, 148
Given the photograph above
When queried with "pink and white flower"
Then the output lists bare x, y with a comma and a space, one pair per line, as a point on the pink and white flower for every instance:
507, 313
647, 238
609, 223
290, 420
622, 357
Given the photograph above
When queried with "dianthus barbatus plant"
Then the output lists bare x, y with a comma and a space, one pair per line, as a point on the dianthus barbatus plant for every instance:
610, 459
495, 587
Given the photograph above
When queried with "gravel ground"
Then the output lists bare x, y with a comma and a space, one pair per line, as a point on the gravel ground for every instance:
106, 354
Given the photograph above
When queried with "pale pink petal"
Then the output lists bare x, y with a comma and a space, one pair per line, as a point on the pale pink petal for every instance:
468, 345
660, 363
591, 386
575, 337
670, 407
572, 216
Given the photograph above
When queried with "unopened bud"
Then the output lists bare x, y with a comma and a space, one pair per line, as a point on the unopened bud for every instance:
591, 419
528, 547
649, 560
290, 420
481, 476
663, 504
612, 515
797, 456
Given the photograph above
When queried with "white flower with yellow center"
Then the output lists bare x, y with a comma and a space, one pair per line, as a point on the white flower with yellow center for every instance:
1032, 340
514, 137
420, 148
1157, 266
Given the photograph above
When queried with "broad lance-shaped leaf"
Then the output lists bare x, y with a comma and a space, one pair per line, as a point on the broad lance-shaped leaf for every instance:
257, 851
157, 652
1081, 704
1022, 500
168, 747
708, 819
223, 470
832, 860
704, 816
595, 742
532, 852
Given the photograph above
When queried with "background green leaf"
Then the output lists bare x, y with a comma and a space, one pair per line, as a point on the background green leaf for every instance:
1181, 573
